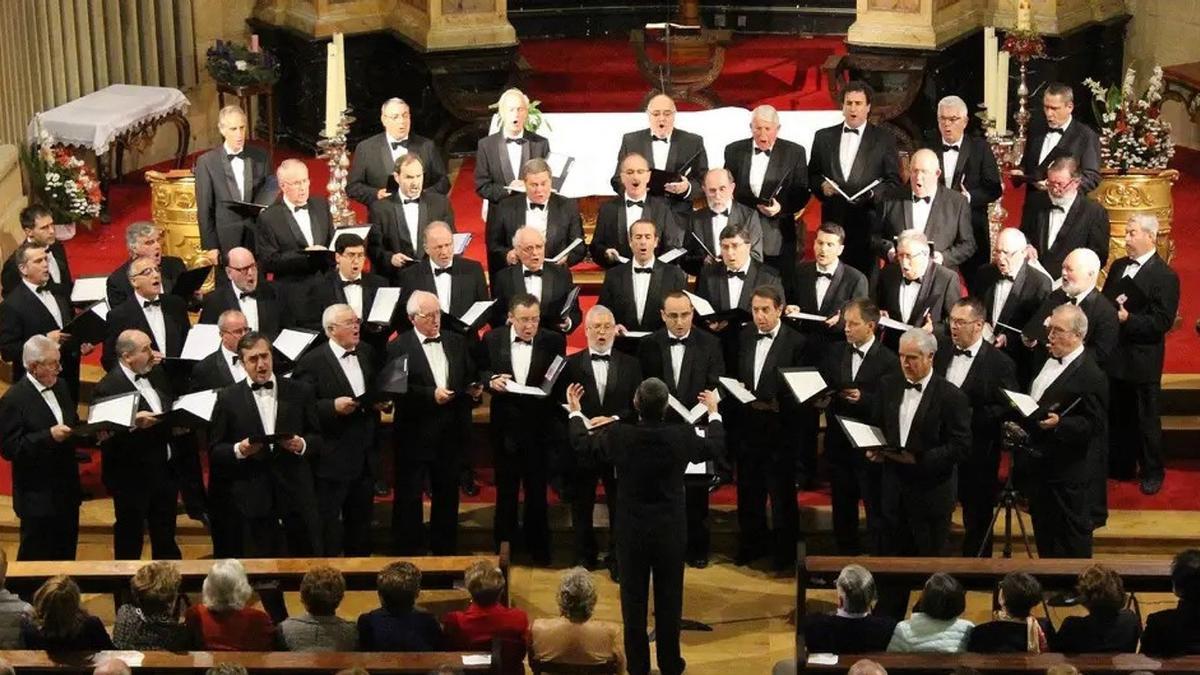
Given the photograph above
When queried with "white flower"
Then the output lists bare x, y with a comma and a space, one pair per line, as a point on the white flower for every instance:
241, 65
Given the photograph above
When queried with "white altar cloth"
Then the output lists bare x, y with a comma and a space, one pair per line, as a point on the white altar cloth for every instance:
94, 121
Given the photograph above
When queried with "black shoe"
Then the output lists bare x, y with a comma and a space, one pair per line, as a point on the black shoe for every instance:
614, 570
1151, 486
699, 562
469, 487
381, 488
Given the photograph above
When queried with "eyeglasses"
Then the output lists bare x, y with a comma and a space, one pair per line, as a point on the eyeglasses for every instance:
235, 331
964, 322
397, 117
953, 120
245, 268
911, 256
350, 323
147, 272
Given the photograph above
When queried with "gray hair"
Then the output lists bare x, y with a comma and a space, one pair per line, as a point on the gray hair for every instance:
110, 666
526, 231
392, 101
287, 166
226, 586
856, 586
227, 112
1077, 320
509, 93
1146, 222
139, 230
37, 349
331, 312
535, 165
1086, 258
127, 342
866, 667
438, 225
1015, 234
413, 307
227, 316
227, 669
719, 171
954, 103
915, 237
129, 270
576, 595
764, 112
597, 311
924, 341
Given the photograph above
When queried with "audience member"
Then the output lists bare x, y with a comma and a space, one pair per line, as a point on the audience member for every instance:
13, 610
107, 667
1014, 630
935, 626
1108, 626
59, 622
1062, 669
486, 618
151, 621
1176, 632
398, 625
866, 667
223, 622
852, 629
227, 669
574, 637
320, 629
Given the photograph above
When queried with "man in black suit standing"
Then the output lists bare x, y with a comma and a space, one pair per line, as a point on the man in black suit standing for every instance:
823, 286
339, 372
980, 371
142, 239
38, 225
375, 157
500, 156
266, 434
690, 363
397, 238
914, 289
1011, 291
550, 284
1069, 220
705, 225
347, 284
634, 291
297, 223
767, 426
927, 424
968, 167
771, 175
1072, 392
853, 155
135, 464
610, 240
456, 280
430, 427
230, 172
609, 379
257, 299
521, 352
729, 281
1145, 291
36, 416
1080, 275
854, 369
1062, 137
161, 316
943, 215
650, 457
555, 216
223, 367
667, 149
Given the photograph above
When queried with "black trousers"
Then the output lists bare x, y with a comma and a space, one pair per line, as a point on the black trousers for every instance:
49, 537
583, 503
916, 519
1060, 513
853, 479
695, 497
346, 507
766, 469
521, 464
224, 519
1135, 429
977, 487
982, 254
188, 475
273, 536
644, 557
785, 261
408, 530
135, 510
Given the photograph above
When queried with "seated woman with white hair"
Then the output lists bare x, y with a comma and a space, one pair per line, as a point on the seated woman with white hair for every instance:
576, 638
223, 622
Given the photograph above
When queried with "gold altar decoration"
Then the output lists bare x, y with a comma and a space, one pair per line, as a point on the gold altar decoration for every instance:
1137, 191
429, 25
173, 209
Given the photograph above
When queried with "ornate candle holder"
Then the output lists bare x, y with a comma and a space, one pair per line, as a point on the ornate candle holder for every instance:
1023, 45
334, 152
1008, 149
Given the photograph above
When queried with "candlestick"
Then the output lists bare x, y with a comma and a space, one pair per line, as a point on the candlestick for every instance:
339, 39
989, 71
1002, 94
254, 43
331, 105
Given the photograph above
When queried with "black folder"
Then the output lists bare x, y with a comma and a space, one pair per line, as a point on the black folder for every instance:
572, 296
88, 327
190, 281
244, 209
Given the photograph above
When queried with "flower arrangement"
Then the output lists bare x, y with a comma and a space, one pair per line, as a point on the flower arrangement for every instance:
1024, 44
237, 65
1133, 134
61, 182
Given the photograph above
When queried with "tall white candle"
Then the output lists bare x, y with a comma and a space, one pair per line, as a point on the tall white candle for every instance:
340, 41
331, 109
989, 70
1002, 93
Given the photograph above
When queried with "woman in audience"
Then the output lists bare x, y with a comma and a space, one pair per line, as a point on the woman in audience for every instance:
485, 618
151, 620
1014, 630
398, 626
223, 622
320, 629
1176, 632
13, 610
935, 626
59, 622
1108, 627
852, 629
574, 637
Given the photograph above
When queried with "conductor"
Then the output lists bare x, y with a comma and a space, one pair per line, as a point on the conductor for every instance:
650, 457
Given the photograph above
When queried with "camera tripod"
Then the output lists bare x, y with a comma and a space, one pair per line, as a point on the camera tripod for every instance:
1007, 504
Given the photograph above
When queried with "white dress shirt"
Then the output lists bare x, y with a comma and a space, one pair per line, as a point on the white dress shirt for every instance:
848, 150
1055, 222
950, 162
920, 211
600, 372
633, 213
677, 351
909, 402
443, 284
758, 169
154, 317
659, 152
641, 285
238, 166
960, 365
249, 307
719, 221
522, 355
822, 284
412, 216
436, 356
761, 347
1050, 141
537, 218
856, 361
513, 150
354, 294
46, 298
397, 151
235, 364
1001, 292
1050, 372
1136, 265
533, 285
144, 388
350, 367
48, 396
735, 284
908, 299
303, 220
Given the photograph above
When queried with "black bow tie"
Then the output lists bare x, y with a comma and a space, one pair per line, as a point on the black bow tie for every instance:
410, 201
949, 148
1073, 300
45, 288
848, 130
537, 207
1052, 130
673, 341
299, 207
601, 357
921, 199
152, 303
400, 144
761, 151
139, 376
913, 385
910, 281
352, 282
522, 341
441, 270
236, 155
721, 213
827, 275
664, 139
963, 352
431, 341
234, 359
765, 336
643, 270
247, 294
268, 385
518, 141
630, 202
1132, 261
1006, 277
533, 273
350, 352
859, 353
1057, 358
1056, 207
733, 273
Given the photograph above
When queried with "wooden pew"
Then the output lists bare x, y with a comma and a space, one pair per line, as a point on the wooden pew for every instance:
255, 662
1012, 663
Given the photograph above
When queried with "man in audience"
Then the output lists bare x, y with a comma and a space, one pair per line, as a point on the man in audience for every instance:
852, 629
1064, 136
161, 316
257, 299
349, 284
969, 167
398, 625
38, 225
574, 637
375, 157
555, 216
396, 239
1069, 220
456, 280
110, 666
1176, 632
634, 290
1081, 272
771, 175
487, 619
292, 227
859, 667
611, 240
1011, 292
836, 164
703, 237
231, 172
675, 151
729, 284
500, 156
915, 290
13, 610
1145, 291
36, 416
550, 284
941, 214
980, 371
143, 239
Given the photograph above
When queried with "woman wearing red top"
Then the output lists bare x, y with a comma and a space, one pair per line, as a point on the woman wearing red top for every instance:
485, 618
224, 622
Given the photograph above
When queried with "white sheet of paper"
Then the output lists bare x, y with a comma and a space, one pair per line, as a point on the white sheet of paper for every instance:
477, 659
805, 384
362, 231
989, 333
695, 469
291, 343
384, 304
89, 289
888, 322
739, 390
672, 255
562, 255
524, 389
1033, 264
118, 410
805, 316
475, 311
558, 162
703, 308
198, 403
863, 435
100, 308
461, 241
865, 190
203, 339
622, 259
697, 411
823, 659
1024, 402
636, 333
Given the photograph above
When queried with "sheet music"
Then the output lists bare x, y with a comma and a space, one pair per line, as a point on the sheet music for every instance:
513, 387
739, 390
989, 333
672, 255
89, 289
888, 322
203, 339
696, 469
805, 384
461, 241
636, 334
475, 311
199, 403
1038, 266
1024, 403
563, 254
805, 316
292, 343
690, 416
118, 410
477, 659
621, 260
384, 305
703, 308
558, 162
823, 659
100, 309
862, 435
704, 246
362, 231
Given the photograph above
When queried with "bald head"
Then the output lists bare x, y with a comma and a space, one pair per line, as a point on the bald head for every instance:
661, 113
242, 269
924, 171
112, 667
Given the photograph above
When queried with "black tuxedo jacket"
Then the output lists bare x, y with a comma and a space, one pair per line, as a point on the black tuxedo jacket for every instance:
281, 244
1086, 226
612, 228
327, 290
1030, 287
1104, 328
1079, 141
879, 362
10, 275
787, 173
373, 165
420, 426
617, 294
1065, 448
211, 372
685, 147
948, 226
700, 225
129, 315
975, 170
22, 316
624, 376
557, 283
563, 226
45, 474
788, 350
118, 288
273, 311
135, 462
847, 283
349, 439
467, 285
876, 159
220, 226
272, 481
939, 438
1152, 300
390, 234
990, 371
519, 415
713, 285
939, 291
703, 363
493, 171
